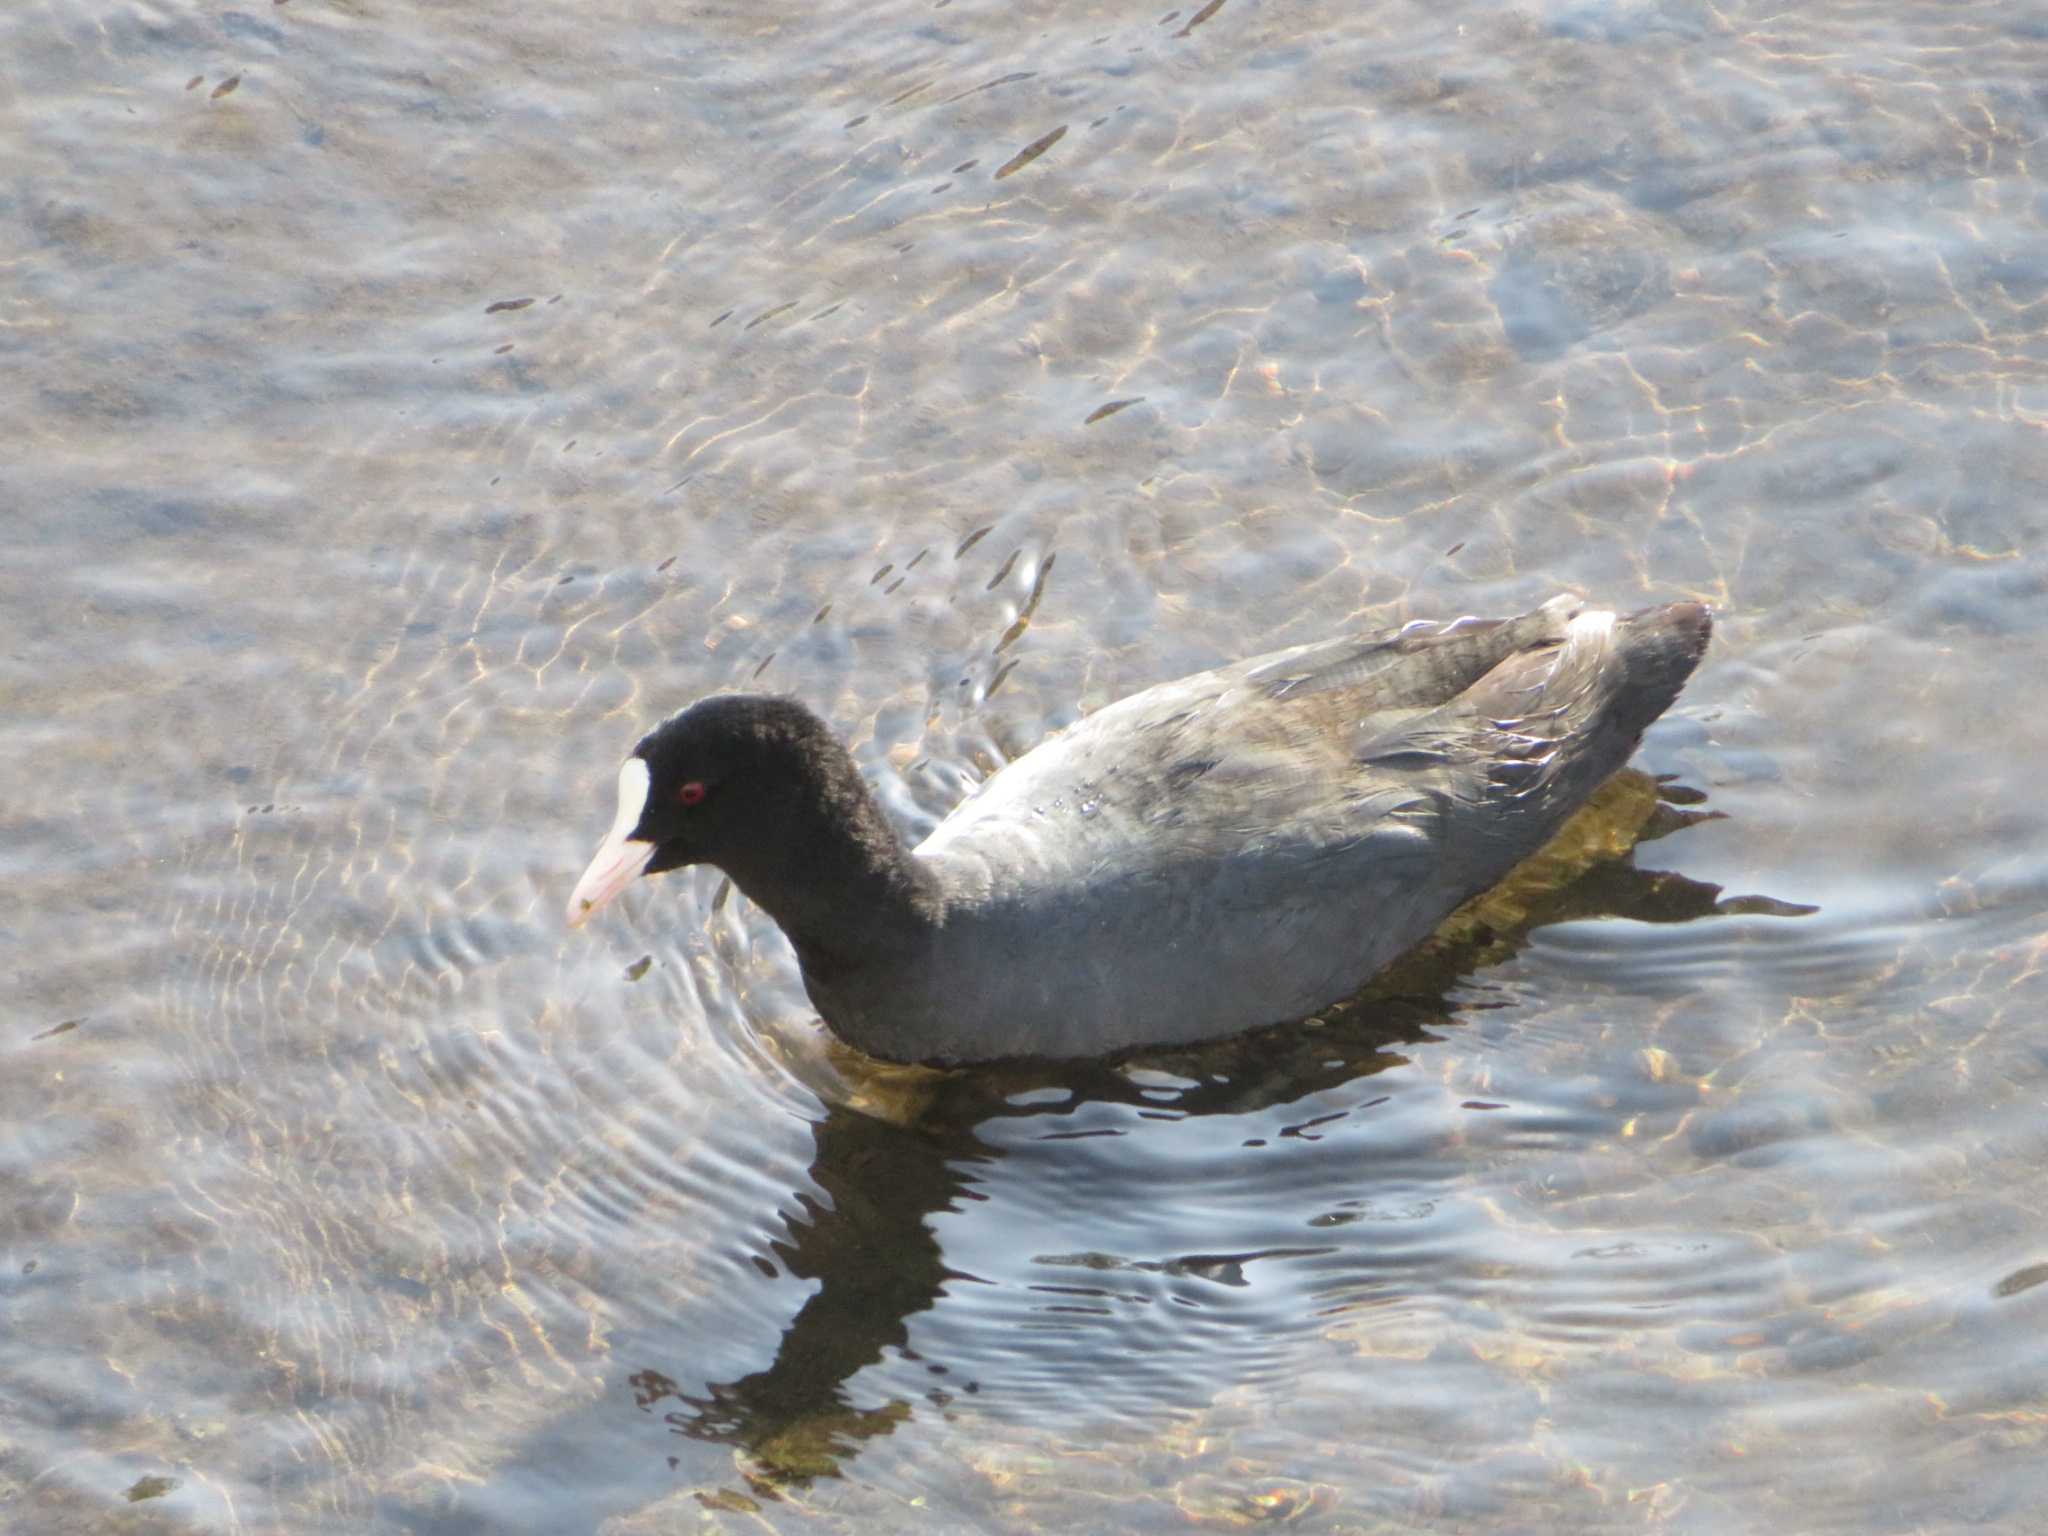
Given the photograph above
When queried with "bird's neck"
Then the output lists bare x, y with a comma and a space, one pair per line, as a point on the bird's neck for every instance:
837, 879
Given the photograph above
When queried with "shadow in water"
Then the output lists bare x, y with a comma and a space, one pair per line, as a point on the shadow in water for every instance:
907, 1145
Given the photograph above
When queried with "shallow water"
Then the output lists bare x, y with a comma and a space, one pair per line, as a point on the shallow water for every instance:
407, 405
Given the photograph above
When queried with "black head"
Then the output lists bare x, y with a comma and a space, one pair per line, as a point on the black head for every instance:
738, 781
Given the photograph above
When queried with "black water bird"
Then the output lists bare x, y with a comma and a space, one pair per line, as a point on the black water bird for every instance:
1232, 849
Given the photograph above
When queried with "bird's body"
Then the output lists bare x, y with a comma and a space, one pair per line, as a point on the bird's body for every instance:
1235, 848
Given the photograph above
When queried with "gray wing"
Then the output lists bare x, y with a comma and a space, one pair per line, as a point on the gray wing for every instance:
1397, 746
1442, 754
1417, 666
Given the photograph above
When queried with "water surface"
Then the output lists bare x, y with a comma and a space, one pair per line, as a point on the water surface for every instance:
407, 405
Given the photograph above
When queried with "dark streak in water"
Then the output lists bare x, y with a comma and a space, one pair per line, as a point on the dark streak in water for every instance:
505, 306
195, 82
1002, 571
720, 320
2021, 1280
1305, 1130
57, 1029
906, 95
885, 570
1110, 409
973, 539
1011, 79
226, 86
1200, 16
965, 166
771, 314
1016, 631
1031, 152
855, 122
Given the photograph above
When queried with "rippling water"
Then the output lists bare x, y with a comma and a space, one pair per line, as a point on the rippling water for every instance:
406, 404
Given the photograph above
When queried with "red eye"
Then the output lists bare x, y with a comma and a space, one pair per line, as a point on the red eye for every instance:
692, 793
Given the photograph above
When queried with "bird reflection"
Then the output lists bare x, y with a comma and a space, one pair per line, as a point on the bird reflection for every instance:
877, 1262
897, 1145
